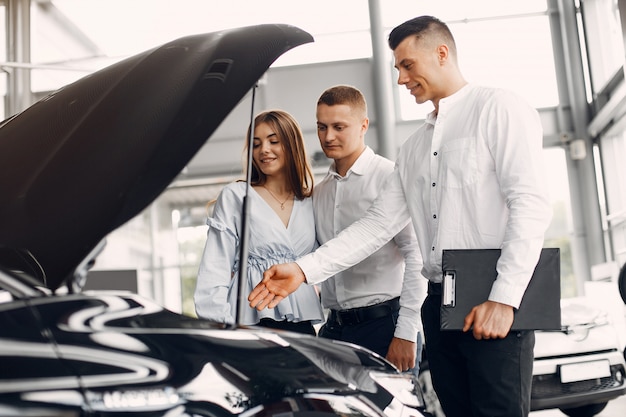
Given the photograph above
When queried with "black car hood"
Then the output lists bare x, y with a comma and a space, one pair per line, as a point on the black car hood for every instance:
127, 349
86, 159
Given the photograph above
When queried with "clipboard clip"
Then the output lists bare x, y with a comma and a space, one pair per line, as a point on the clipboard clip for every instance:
449, 289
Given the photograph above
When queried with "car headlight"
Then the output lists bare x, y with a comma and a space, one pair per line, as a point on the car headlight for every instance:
135, 400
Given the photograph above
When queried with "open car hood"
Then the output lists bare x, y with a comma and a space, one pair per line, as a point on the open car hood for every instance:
83, 161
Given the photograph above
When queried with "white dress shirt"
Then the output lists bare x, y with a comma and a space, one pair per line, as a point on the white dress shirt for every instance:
393, 270
471, 177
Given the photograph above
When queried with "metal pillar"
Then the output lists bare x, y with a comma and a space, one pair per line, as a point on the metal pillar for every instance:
18, 50
587, 240
383, 95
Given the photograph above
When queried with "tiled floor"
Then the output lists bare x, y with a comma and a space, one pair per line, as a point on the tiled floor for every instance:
615, 408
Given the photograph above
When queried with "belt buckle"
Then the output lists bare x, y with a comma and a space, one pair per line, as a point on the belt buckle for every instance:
347, 318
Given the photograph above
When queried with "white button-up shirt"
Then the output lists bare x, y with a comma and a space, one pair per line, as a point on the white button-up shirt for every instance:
393, 270
471, 177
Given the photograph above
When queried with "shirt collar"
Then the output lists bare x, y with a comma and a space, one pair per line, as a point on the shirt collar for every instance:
446, 102
455, 97
360, 165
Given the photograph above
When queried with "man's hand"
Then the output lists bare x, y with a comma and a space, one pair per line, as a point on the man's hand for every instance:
278, 282
401, 353
489, 320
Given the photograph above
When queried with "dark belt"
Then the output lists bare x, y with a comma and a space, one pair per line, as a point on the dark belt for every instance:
435, 288
358, 315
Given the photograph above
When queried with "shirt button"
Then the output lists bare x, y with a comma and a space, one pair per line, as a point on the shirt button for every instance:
433, 248
435, 153
433, 184
434, 216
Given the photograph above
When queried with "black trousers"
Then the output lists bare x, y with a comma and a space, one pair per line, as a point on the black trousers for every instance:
373, 334
478, 378
299, 327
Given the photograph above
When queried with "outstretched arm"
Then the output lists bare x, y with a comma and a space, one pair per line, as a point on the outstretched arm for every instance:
384, 219
278, 282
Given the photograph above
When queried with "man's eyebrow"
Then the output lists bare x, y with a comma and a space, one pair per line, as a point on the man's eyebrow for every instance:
401, 63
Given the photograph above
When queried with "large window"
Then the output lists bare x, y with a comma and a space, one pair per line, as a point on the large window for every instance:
501, 44
604, 37
80, 36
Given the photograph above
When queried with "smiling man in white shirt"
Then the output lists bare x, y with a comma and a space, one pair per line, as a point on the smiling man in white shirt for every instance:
471, 177
375, 303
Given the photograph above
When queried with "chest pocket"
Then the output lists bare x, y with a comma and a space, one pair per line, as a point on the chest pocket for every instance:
459, 163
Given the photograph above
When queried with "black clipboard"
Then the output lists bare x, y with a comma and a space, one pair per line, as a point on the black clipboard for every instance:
469, 275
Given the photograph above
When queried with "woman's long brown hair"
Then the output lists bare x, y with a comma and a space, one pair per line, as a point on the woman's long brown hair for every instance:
299, 173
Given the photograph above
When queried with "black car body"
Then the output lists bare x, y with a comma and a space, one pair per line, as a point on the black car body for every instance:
83, 161
99, 353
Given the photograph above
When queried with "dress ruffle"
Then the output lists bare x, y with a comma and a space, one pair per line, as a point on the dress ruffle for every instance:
296, 307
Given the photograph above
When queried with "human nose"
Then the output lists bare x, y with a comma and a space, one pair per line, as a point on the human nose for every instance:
328, 135
402, 77
264, 148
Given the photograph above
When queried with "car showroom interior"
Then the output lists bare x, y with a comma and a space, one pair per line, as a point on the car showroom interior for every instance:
124, 122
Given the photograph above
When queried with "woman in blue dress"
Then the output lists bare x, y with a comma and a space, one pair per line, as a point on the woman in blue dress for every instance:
281, 229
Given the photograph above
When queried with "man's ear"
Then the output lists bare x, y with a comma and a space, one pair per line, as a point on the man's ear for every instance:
365, 125
443, 52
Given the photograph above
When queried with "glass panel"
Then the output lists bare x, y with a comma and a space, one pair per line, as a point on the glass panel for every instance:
191, 241
3, 32
3, 57
612, 151
60, 53
560, 230
3, 93
511, 53
604, 39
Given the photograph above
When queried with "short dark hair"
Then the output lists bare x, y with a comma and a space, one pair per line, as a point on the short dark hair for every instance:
422, 26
